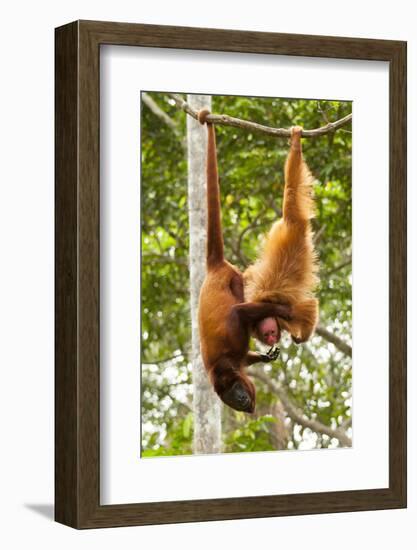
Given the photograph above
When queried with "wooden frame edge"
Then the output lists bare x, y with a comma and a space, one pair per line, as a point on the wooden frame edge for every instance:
66, 274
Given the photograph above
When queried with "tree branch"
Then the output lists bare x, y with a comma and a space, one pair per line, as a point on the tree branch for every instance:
226, 120
253, 225
335, 340
317, 236
165, 360
154, 107
161, 114
346, 423
344, 263
161, 259
296, 415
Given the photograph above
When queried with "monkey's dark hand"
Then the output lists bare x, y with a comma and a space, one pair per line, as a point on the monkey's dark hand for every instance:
270, 355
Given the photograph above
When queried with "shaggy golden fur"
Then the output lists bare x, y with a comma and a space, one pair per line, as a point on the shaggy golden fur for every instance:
286, 271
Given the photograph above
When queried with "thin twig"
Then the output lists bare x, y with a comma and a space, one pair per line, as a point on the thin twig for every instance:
322, 112
319, 234
342, 264
166, 360
253, 225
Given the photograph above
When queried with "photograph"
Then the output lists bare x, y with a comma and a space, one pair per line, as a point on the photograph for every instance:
246, 274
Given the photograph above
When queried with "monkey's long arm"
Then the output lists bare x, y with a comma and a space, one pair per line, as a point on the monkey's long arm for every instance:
252, 312
215, 253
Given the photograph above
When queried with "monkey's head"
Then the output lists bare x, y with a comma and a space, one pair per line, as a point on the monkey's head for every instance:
240, 396
267, 331
234, 388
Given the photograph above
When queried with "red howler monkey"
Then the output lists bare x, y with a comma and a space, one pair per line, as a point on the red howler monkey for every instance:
286, 271
225, 320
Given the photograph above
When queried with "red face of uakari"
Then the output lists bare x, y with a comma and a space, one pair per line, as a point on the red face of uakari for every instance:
268, 331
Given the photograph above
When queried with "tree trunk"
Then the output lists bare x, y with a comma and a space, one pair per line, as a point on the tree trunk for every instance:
206, 404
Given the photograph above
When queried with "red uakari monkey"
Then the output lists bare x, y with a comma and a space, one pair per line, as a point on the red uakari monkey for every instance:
286, 272
226, 321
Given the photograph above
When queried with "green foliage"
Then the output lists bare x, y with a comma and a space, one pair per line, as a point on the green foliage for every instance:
178, 443
252, 435
315, 376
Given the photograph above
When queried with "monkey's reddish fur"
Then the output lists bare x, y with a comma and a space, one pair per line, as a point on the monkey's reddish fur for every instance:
286, 271
225, 320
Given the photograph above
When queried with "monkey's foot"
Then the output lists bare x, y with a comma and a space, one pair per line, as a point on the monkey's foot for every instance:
296, 132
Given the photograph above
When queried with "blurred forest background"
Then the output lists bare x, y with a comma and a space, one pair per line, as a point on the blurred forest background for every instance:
304, 398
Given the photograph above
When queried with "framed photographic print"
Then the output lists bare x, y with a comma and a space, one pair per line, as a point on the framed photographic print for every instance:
189, 388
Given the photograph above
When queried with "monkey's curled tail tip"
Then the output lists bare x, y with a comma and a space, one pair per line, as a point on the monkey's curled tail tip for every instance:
202, 115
